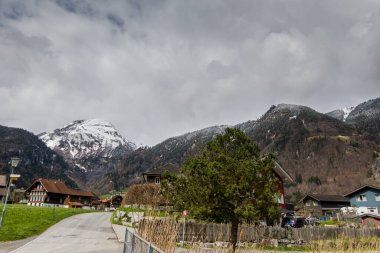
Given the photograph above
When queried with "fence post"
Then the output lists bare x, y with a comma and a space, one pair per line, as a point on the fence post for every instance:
150, 248
133, 242
125, 250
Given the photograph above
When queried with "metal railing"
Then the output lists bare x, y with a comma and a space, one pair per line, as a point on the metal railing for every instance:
135, 244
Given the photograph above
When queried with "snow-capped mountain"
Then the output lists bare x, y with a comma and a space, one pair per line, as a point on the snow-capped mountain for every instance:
347, 111
341, 114
87, 138
365, 116
92, 148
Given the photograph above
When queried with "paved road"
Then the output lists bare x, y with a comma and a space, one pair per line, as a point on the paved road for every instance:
89, 233
6, 247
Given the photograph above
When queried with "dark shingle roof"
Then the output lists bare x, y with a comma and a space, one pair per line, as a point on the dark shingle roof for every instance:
57, 186
361, 188
327, 198
282, 173
162, 169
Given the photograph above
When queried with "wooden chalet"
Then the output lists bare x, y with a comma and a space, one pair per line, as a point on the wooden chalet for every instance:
15, 195
52, 192
154, 176
116, 201
283, 177
323, 205
366, 198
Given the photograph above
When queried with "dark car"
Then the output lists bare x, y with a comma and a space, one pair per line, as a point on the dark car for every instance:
294, 222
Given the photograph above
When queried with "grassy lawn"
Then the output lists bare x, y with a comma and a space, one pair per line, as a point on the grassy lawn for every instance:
22, 221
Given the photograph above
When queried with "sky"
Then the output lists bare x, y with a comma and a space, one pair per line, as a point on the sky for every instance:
157, 69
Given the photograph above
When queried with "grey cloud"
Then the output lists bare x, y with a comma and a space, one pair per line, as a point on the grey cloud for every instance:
77, 7
160, 68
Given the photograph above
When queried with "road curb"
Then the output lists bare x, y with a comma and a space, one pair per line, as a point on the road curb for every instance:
119, 231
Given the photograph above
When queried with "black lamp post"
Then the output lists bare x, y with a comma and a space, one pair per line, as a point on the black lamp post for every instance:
14, 163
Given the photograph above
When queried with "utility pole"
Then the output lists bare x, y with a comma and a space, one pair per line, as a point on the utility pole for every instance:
14, 162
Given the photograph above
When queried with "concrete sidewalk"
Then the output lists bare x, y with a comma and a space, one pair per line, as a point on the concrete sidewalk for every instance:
119, 231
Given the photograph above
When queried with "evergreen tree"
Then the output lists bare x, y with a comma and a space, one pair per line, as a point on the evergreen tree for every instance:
229, 182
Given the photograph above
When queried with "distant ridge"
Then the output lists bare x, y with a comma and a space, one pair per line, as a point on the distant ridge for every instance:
37, 160
325, 154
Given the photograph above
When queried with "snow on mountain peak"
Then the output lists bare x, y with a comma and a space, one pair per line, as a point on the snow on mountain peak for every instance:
347, 111
294, 109
93, 137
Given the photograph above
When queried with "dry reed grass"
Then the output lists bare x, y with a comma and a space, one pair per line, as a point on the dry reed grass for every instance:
162, 232
344, 244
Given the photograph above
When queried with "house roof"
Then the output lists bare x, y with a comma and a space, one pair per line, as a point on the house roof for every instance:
282, 173
361, 188
372, 215
57, 186
169, 167
116, 196
326, 198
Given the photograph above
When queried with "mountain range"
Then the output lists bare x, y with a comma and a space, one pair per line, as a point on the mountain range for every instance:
324, 153
91, 147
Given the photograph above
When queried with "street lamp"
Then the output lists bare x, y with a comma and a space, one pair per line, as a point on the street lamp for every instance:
14, 163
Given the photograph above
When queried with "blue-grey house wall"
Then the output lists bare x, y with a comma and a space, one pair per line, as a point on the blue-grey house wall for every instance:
371, 200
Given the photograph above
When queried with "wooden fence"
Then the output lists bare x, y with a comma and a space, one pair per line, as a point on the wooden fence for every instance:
248, 233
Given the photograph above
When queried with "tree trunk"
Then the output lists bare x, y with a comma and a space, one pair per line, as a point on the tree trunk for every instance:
234, 234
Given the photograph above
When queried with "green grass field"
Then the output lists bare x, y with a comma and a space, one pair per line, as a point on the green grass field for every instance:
22, 221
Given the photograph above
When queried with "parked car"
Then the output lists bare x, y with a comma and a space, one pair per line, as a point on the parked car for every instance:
294, 222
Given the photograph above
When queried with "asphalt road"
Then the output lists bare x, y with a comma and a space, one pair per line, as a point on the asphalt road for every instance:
89, 232
6, 247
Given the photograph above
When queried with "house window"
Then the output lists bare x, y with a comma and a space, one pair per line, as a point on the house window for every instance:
377, 197
280, 199
315, 203
157, 180
308, 203
361, 198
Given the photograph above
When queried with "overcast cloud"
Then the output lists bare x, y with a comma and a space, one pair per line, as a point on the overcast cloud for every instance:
156, 69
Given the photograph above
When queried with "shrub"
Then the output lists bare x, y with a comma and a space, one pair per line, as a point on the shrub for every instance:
298, 179
354, 143
314, 180
143, 194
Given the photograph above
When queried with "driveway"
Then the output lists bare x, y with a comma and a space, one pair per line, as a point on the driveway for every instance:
89, 232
